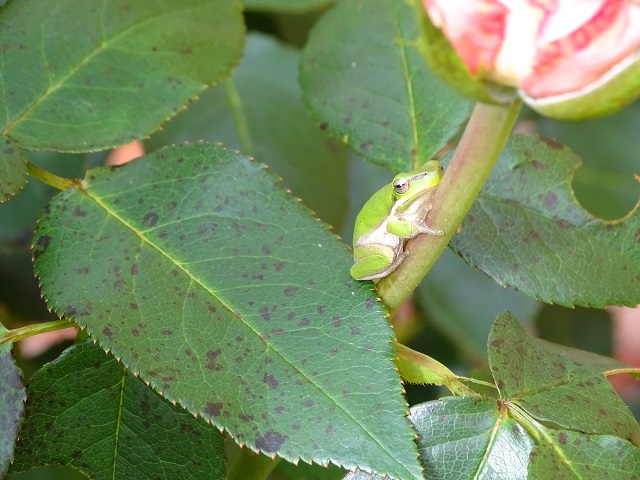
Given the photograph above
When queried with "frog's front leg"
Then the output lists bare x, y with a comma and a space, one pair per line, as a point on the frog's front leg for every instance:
375, 261
407, 229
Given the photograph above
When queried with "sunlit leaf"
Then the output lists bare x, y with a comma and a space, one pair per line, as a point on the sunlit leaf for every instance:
224, 293
570, 455
467, 437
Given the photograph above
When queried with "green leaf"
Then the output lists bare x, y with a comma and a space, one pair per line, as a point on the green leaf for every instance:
526, 230
110, 73
605, 183
467, 437
367, 83
259, 111
13, 170
570, 455
286, 6
86, 411
12, 398
557, 384
205, 277
463, 303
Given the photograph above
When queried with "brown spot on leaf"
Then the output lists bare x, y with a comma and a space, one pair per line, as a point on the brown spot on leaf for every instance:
145, 406
42, 244
213, 409
270, 442
271, 381
245, 417
551, 143
78, 212
266, 249
537, 165
550, 201
212, 364
150, 219
562, 438
290, 291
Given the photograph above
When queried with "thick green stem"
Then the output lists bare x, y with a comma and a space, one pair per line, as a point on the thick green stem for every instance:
36, 329
251, 466
49, 178
476, 154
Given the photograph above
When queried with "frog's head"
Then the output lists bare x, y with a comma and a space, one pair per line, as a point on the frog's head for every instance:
409, 186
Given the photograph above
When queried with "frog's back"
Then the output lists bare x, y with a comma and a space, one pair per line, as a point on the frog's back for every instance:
373, 212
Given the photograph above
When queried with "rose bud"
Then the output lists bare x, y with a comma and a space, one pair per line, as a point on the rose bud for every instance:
570, 59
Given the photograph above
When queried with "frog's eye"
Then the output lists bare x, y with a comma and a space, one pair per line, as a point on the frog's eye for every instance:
401, 185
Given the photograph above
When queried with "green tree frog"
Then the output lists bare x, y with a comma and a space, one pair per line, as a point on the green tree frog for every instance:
389, 218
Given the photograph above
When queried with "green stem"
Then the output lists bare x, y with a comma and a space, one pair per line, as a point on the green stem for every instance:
239, 117
251, 466
50, 179
476, 154
36, 329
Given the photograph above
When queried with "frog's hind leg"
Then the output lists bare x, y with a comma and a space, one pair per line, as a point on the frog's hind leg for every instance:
375, 261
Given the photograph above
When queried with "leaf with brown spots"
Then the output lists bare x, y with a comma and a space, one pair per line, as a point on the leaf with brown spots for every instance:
223, 326
86, 411
12, 398
571, 455
367, 83
526, 230
120, 70
557, 385
13, 170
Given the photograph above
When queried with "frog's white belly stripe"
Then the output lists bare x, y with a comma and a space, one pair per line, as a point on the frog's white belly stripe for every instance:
380, 236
